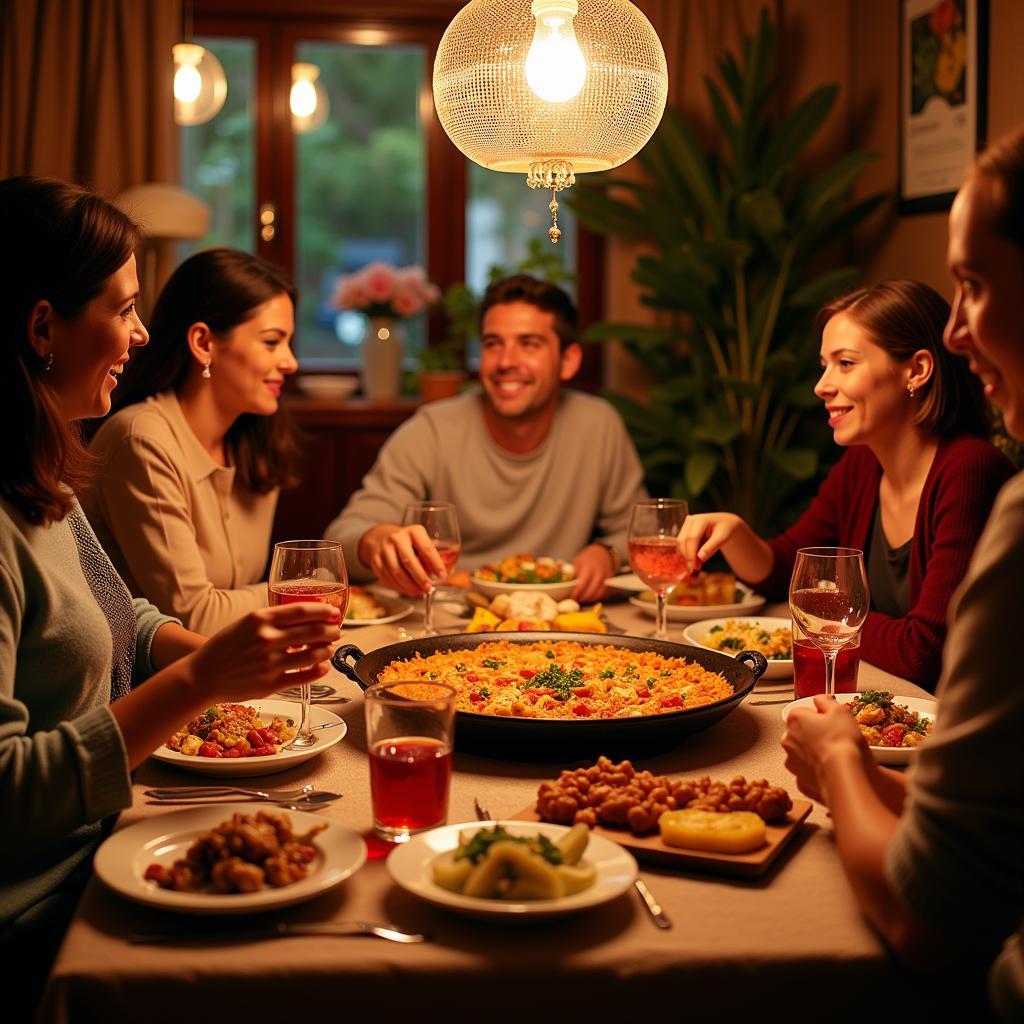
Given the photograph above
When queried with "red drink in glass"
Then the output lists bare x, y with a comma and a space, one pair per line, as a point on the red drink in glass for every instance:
809, 668
657, 561
449, 555
335, 594
409, 778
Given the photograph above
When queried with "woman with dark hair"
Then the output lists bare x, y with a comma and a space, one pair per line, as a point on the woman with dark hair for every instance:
914, 488
192, 462
934, 857
73, 644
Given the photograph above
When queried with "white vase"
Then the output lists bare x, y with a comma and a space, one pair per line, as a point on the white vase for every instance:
381, 357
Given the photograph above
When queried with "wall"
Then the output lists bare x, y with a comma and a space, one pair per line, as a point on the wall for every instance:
854, 43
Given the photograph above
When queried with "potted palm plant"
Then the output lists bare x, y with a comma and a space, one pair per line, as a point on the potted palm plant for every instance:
736, 276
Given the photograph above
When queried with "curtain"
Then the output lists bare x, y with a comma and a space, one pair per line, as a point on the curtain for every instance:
86, 91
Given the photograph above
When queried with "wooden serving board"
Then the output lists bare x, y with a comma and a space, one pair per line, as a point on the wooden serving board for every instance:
651, 849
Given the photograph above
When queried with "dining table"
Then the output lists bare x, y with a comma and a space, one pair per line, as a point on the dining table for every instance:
791, 941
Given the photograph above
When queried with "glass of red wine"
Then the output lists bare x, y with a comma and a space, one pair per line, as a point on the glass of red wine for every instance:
439, 520
308, 570
409, 730
654, 551
829, 599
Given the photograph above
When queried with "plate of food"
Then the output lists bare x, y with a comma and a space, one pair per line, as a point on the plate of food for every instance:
259, 730
544, 695
526, 573
176, 861
512, 869
368, 608
893, 726
704, 596
737, 827
772, 637
529, 610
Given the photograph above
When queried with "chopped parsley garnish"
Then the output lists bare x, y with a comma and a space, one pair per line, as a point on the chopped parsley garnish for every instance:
432, 675
732, 643
549, 654
459, 667
556, 678
607, 674
492, 663
651, 681
484, 692
715, 629
665, 673
477, 847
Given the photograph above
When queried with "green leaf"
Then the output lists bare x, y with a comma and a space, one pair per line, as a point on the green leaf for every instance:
700, 469
642, 334
717, 427
834, 185
688, 155
760, 213
726, 124
801, 394
796, 131
798, 463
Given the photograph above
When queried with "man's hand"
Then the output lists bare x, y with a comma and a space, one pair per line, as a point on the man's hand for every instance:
593, 565
402, 557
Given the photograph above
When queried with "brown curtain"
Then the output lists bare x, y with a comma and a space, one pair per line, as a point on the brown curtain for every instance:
85, 91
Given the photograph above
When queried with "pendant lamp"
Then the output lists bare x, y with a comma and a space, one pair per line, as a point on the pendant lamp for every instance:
200, 86
550, 88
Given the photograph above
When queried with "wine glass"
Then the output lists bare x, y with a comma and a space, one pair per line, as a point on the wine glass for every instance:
654, 551
828, 596
438, 518
308, 570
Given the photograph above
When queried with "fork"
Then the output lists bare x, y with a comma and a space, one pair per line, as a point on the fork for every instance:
201, 792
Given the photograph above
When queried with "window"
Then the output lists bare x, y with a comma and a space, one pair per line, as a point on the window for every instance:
379, 180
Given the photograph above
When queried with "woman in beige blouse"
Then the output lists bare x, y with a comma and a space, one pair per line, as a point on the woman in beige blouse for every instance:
192, 462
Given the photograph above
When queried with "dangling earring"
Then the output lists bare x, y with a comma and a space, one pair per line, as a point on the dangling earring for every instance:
49, 363
206, 370
910, 390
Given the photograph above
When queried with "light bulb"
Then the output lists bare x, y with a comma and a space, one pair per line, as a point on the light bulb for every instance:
555, 66
188, 83
303, 98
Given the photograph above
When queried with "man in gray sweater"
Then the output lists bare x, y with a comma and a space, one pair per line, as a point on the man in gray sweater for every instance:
529, 467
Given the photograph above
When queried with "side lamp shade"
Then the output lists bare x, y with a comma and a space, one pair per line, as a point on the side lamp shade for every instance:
166, 211
200, 86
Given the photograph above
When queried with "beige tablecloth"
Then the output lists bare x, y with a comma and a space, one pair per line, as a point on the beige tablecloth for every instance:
752, 947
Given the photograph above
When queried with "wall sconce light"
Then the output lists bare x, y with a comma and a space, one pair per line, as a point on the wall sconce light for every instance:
308, 99
551, 88
200, 87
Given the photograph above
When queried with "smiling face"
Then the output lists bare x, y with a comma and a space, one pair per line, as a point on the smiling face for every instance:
987, 322
521, 360
863, 387
249, 366
91, 348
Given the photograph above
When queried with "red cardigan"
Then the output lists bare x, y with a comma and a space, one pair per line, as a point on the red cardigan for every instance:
962, 484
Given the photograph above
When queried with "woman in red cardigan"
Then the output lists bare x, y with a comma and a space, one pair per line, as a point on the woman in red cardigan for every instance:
914, 489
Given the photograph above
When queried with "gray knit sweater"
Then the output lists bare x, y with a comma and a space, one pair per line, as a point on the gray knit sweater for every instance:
63, 765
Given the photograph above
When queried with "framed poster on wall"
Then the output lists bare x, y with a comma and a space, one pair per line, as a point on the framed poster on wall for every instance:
943, 79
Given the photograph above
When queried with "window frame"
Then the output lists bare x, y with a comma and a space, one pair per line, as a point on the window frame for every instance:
276, 28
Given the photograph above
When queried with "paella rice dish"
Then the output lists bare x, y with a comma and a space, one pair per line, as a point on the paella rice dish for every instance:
774, 644
565, 679
232, 730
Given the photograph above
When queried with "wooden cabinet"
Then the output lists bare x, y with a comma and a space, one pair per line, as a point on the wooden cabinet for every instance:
339, 442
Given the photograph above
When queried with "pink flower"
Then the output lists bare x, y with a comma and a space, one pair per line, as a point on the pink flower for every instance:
405, 303
380, 281
383, 290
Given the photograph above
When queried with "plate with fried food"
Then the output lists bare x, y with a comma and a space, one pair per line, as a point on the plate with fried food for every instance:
768, 635
528, 611
179, 861
512, 869
737, 827
893, 726
703, 596
368, 608
248, 738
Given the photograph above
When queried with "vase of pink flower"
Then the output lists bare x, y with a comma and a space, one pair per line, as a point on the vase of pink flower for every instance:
386, 295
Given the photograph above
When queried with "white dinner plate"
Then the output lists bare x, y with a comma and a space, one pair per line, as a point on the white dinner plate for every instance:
781, 668
410, 868
749, 603
883, 755
232, 767
491, 588
122, 860
396, 608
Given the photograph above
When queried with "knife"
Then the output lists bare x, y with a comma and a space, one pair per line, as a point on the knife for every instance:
653, 906
281, 930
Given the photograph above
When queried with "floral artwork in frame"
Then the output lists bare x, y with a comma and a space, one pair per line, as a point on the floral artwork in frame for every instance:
943, 64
